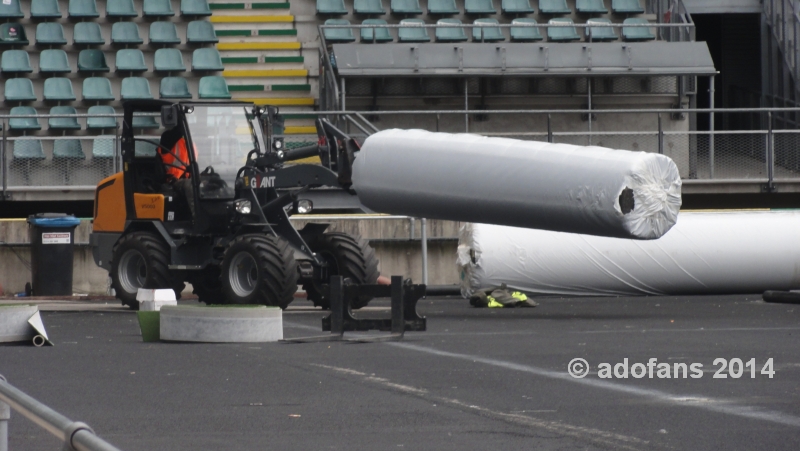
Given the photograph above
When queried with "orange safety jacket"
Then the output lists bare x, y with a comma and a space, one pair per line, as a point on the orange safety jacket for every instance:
179, 169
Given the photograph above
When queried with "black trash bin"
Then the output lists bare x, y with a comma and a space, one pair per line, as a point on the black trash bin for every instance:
52, 237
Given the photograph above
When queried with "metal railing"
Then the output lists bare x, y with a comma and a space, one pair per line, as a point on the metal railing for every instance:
75, 435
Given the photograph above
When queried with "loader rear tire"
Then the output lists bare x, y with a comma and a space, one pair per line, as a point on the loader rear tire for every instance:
347, 256
141, 260
259, 269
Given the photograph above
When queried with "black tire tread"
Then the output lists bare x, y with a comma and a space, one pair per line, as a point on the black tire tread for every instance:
157, 253
280, 270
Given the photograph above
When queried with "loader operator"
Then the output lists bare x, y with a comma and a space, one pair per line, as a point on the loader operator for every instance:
177, 164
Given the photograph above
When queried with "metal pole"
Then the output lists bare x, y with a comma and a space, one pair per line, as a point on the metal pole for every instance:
411, 226
424, 232
5, 415
466, 105
589, 96
770, 152
3, 145
549, 129
344, 106
711, 127
660, 136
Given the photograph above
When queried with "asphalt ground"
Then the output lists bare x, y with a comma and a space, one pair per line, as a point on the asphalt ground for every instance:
478, 379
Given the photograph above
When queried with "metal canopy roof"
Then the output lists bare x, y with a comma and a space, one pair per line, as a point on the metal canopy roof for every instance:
537, 59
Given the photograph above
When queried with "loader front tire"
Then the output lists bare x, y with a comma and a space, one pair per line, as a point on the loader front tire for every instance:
141, 260
259, 269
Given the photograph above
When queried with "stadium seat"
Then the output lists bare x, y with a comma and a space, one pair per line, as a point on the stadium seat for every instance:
125, 33
487, 34
201, 32
19, 90
405, 7
63, 123
213, 87
97, 89
168, 60
144, 122
626, 7
562, 34
590, 7
174, 88
338, 34
9, 9
554, 7
103, 146
130, 60
121, 8
157, 8
54, 61
50, 33
600, 34
68, 148
369, 7
164, 33
58, 89
195, 8
525, 34
369, 35
23, 123
87, 33
207, 59
15, 62
81, 9
331, 7
12, 33
443, 8
413, 34
450, 34
513, 7
101, 122
637, 33
135, 88
28, 149
45, 9
92, 60
479, 7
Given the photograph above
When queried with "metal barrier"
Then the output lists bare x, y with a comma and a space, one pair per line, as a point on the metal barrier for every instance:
75, 435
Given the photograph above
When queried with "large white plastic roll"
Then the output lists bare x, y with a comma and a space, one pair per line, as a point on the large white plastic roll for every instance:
736, 252
471, 178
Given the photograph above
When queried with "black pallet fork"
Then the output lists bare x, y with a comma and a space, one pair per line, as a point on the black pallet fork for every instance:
404, 296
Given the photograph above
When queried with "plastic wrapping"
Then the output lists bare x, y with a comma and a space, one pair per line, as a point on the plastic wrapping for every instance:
561, 187
736, 252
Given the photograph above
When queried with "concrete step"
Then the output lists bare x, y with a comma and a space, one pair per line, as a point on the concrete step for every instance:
249, 18
255, 73
275, 87
219, 6
277, 101
258, 46
262, 59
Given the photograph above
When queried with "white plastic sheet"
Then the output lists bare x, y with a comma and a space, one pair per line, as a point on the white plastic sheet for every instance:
735, 252
529, 184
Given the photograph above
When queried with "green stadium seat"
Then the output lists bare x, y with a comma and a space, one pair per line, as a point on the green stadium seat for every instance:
479, 7
338, 34
63, 123
450, 34
405, 7
331, 7
369, 35
68, 148
9, 9
164, 33
562, 34
525, 34
50, 33
135, 88
125, 33
637, 33
54, 61
369, 7
104, 146
195, 8
143, 149
58, 89
12, 33
15, 62
97, 89
487, 34
513, 7
201, 32
600, 34
144, 122
168, 60
554, 7
174, 88
207, 59
443, 8
23, 123
19, 90
213, 87
28, 149
413, 34
157, 8
87, 33
121, 8
82, 9
96, 122
130, 60
92, 60
626, 7
590, 7
45, 9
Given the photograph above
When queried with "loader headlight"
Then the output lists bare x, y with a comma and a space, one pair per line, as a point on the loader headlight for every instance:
243, 206
304, 206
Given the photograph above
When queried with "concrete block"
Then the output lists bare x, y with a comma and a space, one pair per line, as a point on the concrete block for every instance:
14, 322
240, 324
158, 295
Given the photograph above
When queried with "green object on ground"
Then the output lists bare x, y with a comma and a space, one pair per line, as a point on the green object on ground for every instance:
149, 323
